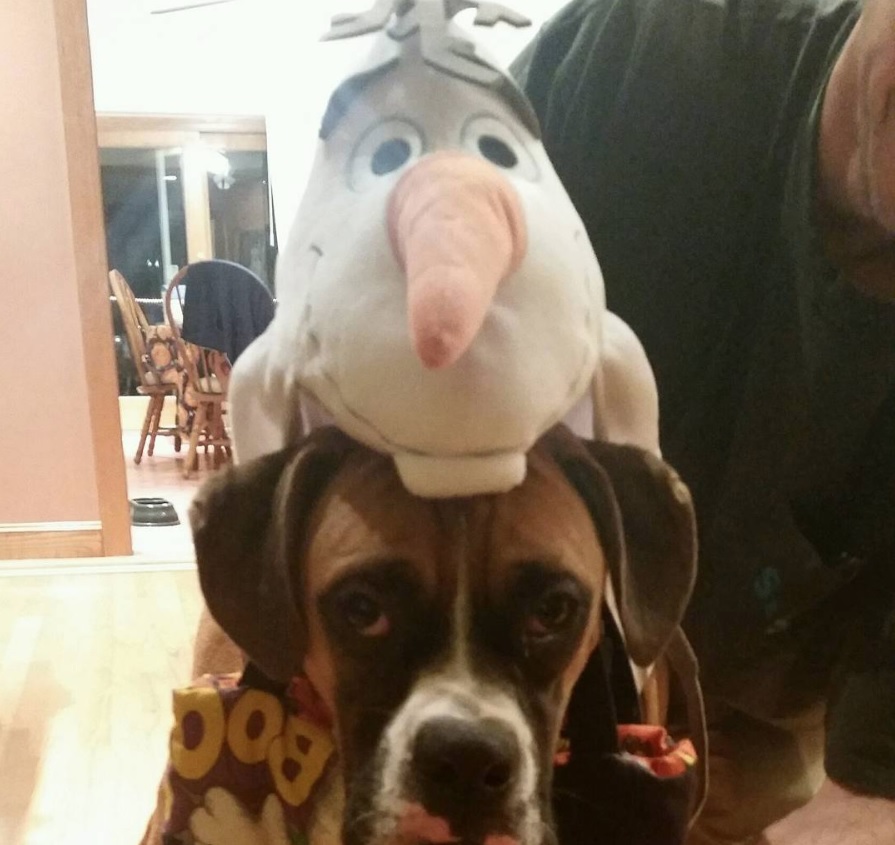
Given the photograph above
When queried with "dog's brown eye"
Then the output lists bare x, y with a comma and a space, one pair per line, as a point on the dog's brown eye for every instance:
364, 613
552, 613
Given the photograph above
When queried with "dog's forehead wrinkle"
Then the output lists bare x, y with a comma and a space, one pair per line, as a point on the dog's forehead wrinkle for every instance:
376, 518
545, 521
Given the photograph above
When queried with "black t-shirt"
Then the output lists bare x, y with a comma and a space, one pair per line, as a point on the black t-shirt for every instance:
684, 131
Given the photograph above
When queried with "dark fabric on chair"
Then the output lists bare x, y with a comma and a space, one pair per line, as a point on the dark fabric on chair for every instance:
226, 307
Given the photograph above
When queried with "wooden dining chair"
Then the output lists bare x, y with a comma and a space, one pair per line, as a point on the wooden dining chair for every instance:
154, 354
202, 397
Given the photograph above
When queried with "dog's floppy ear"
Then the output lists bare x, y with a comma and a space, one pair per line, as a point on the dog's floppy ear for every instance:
249, 528
644, 516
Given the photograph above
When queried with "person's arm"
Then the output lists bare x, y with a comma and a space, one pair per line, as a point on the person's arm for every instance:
856, 803
855, 198
861, 748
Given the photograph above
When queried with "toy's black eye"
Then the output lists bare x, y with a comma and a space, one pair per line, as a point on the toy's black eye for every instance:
390, 155
498, 152
385, 149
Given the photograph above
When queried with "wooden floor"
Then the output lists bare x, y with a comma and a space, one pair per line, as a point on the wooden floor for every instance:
89, 653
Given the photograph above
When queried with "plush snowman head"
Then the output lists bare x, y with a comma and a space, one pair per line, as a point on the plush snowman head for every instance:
439, 297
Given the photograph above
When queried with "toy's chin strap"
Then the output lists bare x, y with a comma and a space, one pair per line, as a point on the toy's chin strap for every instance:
682, 661
618, 695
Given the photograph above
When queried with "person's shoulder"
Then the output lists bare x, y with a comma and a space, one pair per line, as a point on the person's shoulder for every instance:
629, 31
742, 17
607, 29
599, 60
760, 19
610, 40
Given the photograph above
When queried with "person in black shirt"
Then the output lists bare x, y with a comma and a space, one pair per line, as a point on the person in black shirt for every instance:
734, 163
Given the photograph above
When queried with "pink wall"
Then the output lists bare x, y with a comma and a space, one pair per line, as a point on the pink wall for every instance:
46, 455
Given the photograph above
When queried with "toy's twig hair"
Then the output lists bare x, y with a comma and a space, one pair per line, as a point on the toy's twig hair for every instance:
439, 47
362, 23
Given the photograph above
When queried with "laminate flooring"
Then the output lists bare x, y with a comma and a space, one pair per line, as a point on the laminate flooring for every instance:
89, 654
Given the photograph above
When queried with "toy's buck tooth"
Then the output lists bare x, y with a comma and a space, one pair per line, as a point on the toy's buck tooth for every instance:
439, 300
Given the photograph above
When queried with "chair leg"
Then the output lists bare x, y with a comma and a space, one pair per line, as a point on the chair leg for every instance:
155, 403
221, 449
192, 455
213, 435
209, 426
178, 440
147, 421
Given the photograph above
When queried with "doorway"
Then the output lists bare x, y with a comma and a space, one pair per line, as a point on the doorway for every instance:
176, 190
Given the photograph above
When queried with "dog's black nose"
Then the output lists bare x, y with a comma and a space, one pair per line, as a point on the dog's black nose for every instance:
462, 762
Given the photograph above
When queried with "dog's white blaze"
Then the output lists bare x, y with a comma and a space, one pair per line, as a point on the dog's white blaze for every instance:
462, 622
455, 692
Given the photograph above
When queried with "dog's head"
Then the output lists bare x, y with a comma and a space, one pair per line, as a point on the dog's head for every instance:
445, 636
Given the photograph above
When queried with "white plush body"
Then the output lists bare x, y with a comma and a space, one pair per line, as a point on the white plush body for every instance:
339, 348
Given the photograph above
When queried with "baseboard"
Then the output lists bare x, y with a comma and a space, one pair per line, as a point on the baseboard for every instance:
133, 411
28, 540
91, 566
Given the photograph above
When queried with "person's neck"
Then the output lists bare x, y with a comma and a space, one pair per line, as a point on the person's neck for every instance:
863, 251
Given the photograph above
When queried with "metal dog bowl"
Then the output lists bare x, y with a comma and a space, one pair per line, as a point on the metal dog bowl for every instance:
153, 511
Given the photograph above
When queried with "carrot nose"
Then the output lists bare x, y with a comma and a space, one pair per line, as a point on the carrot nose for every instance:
457, 229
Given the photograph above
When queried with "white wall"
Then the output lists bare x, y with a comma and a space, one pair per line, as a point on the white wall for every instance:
207, 61
247, 57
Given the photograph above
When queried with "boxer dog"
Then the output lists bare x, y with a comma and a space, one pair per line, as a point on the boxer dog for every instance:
444, 636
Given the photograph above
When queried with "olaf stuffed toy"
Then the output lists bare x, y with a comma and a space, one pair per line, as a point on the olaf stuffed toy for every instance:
439, 299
